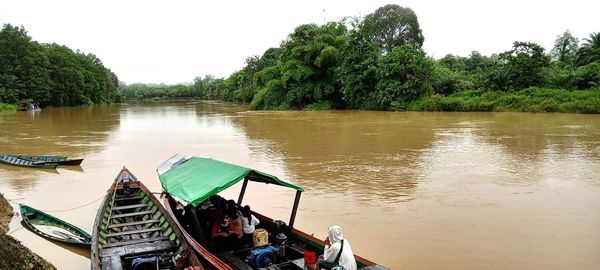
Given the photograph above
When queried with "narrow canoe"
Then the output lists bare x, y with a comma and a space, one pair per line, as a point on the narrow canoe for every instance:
14, 160
60, 160
133, 231
54, 228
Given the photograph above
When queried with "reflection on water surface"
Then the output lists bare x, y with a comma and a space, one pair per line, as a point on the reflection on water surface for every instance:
411, 190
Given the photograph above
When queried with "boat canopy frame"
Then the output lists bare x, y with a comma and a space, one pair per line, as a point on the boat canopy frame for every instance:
195, 179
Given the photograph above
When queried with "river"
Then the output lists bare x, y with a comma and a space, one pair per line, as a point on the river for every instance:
411, 190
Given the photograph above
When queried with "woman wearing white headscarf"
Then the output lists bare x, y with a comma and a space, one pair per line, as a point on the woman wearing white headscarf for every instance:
331, 252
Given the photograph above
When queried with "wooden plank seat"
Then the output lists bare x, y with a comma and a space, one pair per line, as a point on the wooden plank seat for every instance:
136, 241
155, 229
141, 213
138, 249
131, 206
130, 197
117, 225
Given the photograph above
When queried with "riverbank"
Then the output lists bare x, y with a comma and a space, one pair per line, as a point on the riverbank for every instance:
8, 107
13, 255
528, 100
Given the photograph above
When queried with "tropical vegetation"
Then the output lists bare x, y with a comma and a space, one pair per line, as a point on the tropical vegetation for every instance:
50, 74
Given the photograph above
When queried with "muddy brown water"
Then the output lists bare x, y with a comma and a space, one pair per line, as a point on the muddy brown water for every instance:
411, 190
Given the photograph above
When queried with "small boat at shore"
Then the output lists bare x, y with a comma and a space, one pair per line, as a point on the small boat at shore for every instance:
53, 228
191, 183
15, 160
132, 230
60, 160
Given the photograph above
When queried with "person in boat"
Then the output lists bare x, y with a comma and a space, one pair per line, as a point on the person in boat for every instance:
235, 220
249, 221
220, 236
337, 251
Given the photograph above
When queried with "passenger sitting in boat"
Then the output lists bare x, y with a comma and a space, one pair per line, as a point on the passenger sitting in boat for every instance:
235, 220
339, 253
249, 221
221, 238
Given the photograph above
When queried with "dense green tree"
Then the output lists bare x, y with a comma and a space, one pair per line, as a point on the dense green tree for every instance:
589, 51
404, 75
391, 26
565, 48
524, 64
453, 62
305, 74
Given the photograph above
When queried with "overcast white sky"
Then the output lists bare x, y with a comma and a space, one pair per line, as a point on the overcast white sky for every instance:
175, 41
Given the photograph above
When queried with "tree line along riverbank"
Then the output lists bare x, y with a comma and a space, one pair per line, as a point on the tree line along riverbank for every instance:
376, 62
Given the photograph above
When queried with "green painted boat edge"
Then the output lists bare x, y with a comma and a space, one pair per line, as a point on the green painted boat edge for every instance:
31, 164
25, 210
60, 160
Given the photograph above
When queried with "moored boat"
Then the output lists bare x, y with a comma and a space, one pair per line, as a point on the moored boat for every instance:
132, 230
189, 183
60, 160
15, 160
53, 228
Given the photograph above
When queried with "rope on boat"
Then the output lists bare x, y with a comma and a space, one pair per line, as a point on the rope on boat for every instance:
64, 210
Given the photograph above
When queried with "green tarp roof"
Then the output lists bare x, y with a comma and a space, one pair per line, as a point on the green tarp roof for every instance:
195, 179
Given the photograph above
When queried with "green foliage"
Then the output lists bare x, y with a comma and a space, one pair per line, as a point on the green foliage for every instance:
527, 100
588, 76
8, 107
565, 48
443, 80
404, 75
391, 26
524, 65
589, 51
50, 73
305, 72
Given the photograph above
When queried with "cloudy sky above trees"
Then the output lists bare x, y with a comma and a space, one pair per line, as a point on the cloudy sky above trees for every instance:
175, 41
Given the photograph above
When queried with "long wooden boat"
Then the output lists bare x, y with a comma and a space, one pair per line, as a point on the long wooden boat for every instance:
190, 181
54, 228
14, 160
132, 230
60, 160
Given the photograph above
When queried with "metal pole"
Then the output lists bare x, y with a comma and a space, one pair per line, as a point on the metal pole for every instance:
242, 192
295, 209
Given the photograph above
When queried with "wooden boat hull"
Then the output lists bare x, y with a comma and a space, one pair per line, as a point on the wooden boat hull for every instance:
15, 160
60, 160
40, 223
132, 224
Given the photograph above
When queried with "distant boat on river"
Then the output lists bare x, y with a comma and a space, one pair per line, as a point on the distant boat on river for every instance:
60, 160
15, 160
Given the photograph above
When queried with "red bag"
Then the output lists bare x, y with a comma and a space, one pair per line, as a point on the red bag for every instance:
309, 257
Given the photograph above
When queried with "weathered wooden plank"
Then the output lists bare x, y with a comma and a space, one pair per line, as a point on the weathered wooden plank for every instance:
127, 198
137, 241
133, 231
133, 223
138, 249
128, 206
131, 214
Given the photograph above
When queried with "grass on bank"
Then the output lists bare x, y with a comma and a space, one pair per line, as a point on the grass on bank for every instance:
8, 107
528, 100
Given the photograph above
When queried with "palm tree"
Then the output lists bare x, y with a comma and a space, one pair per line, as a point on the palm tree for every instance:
589, 51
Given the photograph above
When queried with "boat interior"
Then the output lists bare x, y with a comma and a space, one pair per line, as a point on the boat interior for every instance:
282, 247
134, 233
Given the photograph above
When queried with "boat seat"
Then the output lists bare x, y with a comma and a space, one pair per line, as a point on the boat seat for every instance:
140, 248
141, 213
155, 229
131, 197
136, 241
131, 206
116, 225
